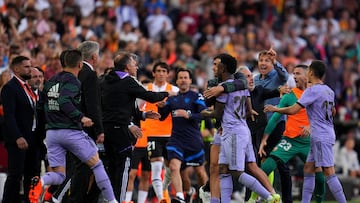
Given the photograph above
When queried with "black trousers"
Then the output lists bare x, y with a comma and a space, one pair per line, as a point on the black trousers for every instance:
284, 171
21, 163
118, 152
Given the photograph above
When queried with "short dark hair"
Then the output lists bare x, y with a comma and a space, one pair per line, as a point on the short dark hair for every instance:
122, 59
162, 65
303, 66
72, 58
228, 62
183, 70
318, 67
62, 58
18, 60
263, 53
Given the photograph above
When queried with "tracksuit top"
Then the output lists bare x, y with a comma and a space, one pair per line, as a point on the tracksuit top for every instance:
62, 102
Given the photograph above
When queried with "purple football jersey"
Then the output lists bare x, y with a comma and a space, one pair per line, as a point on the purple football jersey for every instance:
319, 100
235, 108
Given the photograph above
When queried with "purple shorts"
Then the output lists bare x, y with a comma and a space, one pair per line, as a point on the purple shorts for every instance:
59, 141
236, 148
217, 139
321, 153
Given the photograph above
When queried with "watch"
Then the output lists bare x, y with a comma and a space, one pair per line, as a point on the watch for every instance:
189, 113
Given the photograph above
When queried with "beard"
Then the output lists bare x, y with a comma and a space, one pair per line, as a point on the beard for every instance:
25, 76
35, 86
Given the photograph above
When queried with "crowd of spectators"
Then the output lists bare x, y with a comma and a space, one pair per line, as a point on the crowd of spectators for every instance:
190, 33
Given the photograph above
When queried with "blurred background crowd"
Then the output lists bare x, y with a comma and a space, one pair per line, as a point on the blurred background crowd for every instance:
190, 33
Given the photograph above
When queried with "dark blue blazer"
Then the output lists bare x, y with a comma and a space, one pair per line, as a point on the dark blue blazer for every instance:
18, 113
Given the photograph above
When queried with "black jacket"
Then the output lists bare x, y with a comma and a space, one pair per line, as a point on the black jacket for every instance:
118, 97
90, 100
258, 96
18, 113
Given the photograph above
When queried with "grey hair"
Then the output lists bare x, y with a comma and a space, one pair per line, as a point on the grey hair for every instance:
123, 58
88, 49
241, 68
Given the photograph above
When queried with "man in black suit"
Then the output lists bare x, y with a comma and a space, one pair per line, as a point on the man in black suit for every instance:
119, 90
82, 188
19, 104
90, 103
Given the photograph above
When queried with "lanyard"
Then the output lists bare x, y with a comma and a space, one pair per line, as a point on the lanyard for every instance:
33, 98
30, 93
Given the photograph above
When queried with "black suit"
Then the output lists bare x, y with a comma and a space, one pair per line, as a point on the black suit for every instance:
118, 94
18, 122
80, 174
90, 100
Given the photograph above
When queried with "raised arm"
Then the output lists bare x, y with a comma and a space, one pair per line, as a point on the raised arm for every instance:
282, 72
280, 69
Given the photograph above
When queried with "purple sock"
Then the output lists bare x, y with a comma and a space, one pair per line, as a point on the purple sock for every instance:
214, 200
254, 185
308, 187
102, 181
336, 188
226, 187
53, 178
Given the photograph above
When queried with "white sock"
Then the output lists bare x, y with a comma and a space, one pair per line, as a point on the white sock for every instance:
190, 190
55, 200
128, 196
113, 201
142, 196
270, 197
156, 168
180, 195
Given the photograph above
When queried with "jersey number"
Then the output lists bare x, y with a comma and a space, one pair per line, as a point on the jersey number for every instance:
328, 106
151, 145
285, 145
240, 110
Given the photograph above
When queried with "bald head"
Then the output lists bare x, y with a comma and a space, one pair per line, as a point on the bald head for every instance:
37, 78
248, 75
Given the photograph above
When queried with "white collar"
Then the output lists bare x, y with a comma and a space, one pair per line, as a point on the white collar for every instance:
87, 63
20, 80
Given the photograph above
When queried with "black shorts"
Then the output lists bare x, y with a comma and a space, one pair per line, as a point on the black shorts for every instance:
156, 147
140, 156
